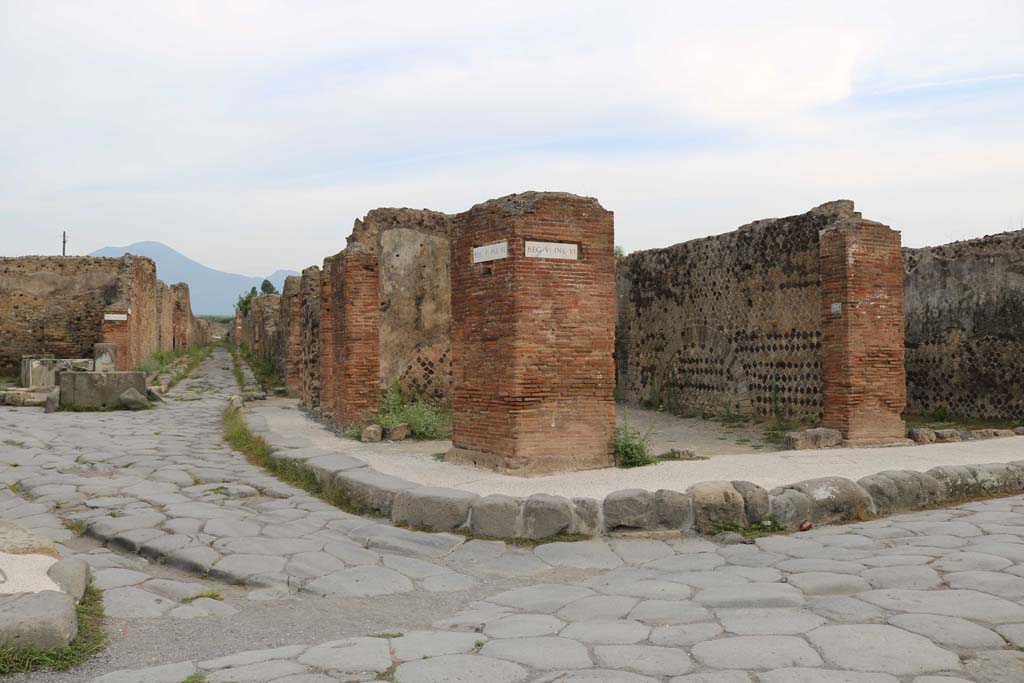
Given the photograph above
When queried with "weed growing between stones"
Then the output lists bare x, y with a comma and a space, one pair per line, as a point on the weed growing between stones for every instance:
14, 487
196, 678
262, 368
236, 366
12, 442
211, 594
426, 420
76, 526
632, 448
257, 451
523, 542
91, 640
768, 526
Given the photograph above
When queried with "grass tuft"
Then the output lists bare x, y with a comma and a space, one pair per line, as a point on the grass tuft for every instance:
768, 526
211, 594
257, 451
91, 640
196, 678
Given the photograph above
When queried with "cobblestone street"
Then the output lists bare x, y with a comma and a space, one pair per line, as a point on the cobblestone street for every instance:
211, 566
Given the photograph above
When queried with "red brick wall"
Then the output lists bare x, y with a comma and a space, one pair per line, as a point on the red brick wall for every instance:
532, 338
863, 377
355, 309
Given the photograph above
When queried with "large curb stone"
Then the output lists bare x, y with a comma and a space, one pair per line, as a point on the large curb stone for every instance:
755, 500
369, 490
545, 515
438, 509
629, 509
790, 507
716, 503
588, 516
673, 510
72, 575
903, 490
495, 516
835, 499
42, 620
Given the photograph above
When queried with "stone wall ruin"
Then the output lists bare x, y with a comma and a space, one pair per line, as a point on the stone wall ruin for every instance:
965, 328
63, 305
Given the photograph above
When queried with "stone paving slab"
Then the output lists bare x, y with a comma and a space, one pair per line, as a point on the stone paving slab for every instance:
629, 609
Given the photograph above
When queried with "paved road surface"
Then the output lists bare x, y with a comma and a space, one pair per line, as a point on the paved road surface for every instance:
310, 594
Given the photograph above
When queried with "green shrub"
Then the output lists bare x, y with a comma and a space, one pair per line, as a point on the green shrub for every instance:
426, 420
632, 448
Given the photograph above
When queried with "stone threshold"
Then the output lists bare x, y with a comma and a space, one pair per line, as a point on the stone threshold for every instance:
704, 508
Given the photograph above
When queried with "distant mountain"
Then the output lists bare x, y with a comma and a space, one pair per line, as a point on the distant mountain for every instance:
212, 292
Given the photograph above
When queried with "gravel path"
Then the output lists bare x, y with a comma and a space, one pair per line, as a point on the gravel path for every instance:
310, 594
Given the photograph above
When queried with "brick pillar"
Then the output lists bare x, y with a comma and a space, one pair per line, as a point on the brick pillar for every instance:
533, 335
116, 330
357, 380
328, 347
863, 377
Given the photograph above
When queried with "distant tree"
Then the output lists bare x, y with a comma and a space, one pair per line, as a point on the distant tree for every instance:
268, 287
245, 301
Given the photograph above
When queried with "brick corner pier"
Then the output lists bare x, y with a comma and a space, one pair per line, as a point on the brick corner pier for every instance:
863, 378
533, 329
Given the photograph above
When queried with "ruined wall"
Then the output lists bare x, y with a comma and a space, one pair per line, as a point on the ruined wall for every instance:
54, 305
729, 323
309, 360
415, 300
965, 327
288, 354
183, 327
65, 304
260, 329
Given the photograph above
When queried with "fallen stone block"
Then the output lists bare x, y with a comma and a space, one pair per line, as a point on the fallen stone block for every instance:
399, 432
133, 400
545, 515
819, 437
947, 435
433, 508
629, 509
716, 504
371, 434
43, 620
52, 400
922, 435
835, 499
98, 390
495, 516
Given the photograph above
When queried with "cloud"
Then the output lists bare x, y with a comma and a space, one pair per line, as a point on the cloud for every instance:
255, 132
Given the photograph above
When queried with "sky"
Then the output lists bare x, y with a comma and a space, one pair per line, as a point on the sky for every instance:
249, 135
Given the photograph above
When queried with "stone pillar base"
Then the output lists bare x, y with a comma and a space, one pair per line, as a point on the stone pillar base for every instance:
527, 466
